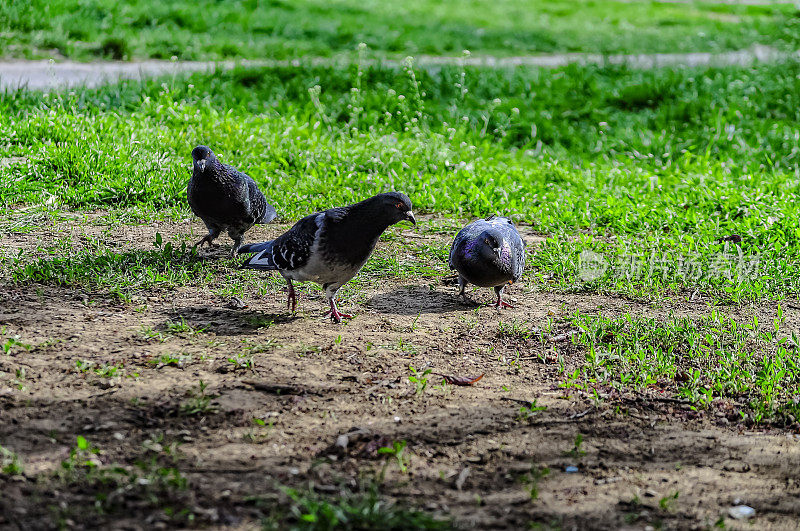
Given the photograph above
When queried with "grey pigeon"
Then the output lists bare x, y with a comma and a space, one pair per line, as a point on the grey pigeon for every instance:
330, 247
225, 198
488, 253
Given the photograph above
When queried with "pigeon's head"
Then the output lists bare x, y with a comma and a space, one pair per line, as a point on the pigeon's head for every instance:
202, 156
396, 206
490, 245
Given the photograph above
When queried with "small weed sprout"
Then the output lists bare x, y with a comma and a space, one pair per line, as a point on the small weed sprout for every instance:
398, 451
667, 502
83, 365
532, 478
576, 450
526, 412
198, 402
242, 362
20, 375
253, 436
10, 463
183, 328
419, 380
82, 455
12, 342
176, 360
445, 387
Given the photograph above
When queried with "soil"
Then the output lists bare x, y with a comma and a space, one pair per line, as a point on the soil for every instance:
471, 454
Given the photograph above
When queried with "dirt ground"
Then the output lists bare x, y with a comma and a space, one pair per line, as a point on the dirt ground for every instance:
644, 462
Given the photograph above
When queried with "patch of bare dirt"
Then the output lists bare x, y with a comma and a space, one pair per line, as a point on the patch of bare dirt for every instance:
474, 453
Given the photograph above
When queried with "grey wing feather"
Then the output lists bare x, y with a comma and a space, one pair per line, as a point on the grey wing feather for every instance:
518, 247
262, 211
254, 247
519, 261
292, 249
451, 261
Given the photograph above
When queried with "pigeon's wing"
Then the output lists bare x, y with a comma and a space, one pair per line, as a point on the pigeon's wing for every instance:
468, 232
259, 207
190, 195
519, 262
335, 215
518, 250
292, 249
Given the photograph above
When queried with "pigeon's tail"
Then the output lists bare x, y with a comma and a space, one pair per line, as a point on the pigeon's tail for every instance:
262, 260
254, 247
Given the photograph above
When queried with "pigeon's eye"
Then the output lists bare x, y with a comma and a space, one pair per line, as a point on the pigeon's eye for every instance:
399, 206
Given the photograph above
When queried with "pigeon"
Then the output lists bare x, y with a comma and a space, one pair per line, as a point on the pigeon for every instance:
488, 253
225, 199
330, 247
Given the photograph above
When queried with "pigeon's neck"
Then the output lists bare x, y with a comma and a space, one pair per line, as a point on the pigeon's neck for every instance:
214, 173
353, 238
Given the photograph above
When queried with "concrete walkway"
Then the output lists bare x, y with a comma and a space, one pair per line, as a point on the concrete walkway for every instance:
48, 74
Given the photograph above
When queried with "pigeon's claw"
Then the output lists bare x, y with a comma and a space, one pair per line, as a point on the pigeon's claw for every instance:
500, 304
335, 314
208, 238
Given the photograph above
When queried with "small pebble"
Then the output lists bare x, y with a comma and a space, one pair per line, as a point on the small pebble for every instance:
571, 469
342, 441
741, 512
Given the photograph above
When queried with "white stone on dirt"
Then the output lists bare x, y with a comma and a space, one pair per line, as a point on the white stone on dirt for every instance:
741, 512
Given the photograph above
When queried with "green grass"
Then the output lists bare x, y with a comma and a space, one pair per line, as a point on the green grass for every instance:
259, 29
649, 170
350, 510
751, 366
117, 272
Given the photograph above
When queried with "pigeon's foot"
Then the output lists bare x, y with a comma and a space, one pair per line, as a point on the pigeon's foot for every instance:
335, 314
500, 304
208, 238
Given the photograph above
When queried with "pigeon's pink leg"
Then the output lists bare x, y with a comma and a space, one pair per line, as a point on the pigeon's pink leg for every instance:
500, 304
335, 314
291, 300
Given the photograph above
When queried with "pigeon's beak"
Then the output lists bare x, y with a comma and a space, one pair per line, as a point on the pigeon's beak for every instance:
202, 164
410, 217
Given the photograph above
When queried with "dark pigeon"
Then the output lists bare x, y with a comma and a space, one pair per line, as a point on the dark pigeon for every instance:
225, 198
489, 253
330, 247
